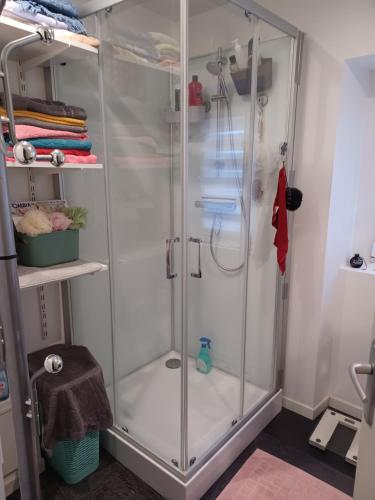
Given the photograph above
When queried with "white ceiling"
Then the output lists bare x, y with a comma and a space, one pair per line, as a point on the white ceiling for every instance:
363, 69
165, 7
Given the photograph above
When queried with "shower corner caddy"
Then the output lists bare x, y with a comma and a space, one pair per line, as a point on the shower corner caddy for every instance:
196, 115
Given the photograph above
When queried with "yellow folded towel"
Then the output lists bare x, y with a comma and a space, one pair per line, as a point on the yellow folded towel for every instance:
61, 120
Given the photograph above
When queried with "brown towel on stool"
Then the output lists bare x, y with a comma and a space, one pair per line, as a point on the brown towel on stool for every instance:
73, 401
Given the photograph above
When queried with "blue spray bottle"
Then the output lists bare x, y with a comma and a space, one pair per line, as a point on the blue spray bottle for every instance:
4, 385
204, 362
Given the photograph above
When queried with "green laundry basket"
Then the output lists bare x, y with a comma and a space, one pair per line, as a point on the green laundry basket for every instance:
74, 460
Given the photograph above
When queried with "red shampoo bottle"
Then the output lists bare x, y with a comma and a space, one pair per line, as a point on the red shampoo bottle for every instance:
195, 92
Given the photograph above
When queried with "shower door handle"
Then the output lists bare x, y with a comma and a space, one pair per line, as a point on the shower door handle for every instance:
199, 273
170, 258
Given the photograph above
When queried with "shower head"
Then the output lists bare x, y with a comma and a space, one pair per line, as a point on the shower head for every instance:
215, 67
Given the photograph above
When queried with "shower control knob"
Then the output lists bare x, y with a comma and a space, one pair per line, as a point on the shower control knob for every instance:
24, 152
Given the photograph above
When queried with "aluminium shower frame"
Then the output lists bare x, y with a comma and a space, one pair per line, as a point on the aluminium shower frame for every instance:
195, 479
256, 13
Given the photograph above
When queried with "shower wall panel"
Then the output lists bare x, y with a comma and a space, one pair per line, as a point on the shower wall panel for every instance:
217, 302
135, 99
78, 84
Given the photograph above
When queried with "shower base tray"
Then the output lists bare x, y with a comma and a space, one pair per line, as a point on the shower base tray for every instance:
175, 485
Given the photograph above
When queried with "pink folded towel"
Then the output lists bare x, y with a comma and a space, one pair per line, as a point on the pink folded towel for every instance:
80, 159
31, 132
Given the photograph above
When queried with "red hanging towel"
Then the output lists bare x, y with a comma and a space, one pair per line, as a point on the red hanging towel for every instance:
280, 221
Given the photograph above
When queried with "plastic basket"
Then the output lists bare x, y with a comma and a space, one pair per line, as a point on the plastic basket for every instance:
48, 249
74, 460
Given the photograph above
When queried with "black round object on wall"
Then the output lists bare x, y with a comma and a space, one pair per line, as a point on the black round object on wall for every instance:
293, 198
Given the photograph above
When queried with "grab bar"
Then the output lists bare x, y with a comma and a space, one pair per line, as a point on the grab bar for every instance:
170, 258
199, 273
23, 151
217, 203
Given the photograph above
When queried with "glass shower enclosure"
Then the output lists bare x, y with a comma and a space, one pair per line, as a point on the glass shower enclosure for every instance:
186, 201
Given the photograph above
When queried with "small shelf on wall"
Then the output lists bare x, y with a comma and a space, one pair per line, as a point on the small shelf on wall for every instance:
44, 167
35, 276
67, 43
196, 115
370, 270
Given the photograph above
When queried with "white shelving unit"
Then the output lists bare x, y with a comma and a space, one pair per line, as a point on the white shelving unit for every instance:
44, 167
30, 277
36, 57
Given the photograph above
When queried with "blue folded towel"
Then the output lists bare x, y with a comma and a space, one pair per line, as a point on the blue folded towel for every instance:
33, 7
60, 6
61, 144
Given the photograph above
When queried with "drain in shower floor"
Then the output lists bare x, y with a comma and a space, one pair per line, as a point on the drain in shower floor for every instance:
173, 363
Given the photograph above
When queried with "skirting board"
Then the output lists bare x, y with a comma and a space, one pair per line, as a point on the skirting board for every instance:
11, 483
304, 410
346, 407
312, 412
169, 485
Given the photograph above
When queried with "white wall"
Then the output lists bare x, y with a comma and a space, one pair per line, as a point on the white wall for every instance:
353, 313
335, 30
364, 234
19, 191
336, 343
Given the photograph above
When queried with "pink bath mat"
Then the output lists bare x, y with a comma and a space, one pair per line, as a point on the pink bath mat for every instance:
264, 477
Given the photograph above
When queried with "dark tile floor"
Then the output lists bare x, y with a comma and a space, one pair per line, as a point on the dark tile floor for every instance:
286, 437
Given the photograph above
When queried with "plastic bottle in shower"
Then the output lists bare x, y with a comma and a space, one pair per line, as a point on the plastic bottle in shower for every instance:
204, 362
195, 92
4, 385
233, 67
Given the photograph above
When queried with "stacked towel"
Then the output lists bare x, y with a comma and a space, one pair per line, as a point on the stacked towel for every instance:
54, 13
152, 47
50, 125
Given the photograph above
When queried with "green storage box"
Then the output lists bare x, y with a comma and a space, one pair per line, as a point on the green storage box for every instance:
48, 249
74, 460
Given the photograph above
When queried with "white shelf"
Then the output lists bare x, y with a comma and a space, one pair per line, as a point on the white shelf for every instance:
196, 115
370, 269
35, 276
38, 53
45, 167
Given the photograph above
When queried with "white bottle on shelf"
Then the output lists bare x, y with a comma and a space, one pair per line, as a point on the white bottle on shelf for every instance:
372, 255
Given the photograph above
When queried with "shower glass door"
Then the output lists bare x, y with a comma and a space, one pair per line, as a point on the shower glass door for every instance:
239, 74
219, 164
272, 121
191, 305
140, 69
